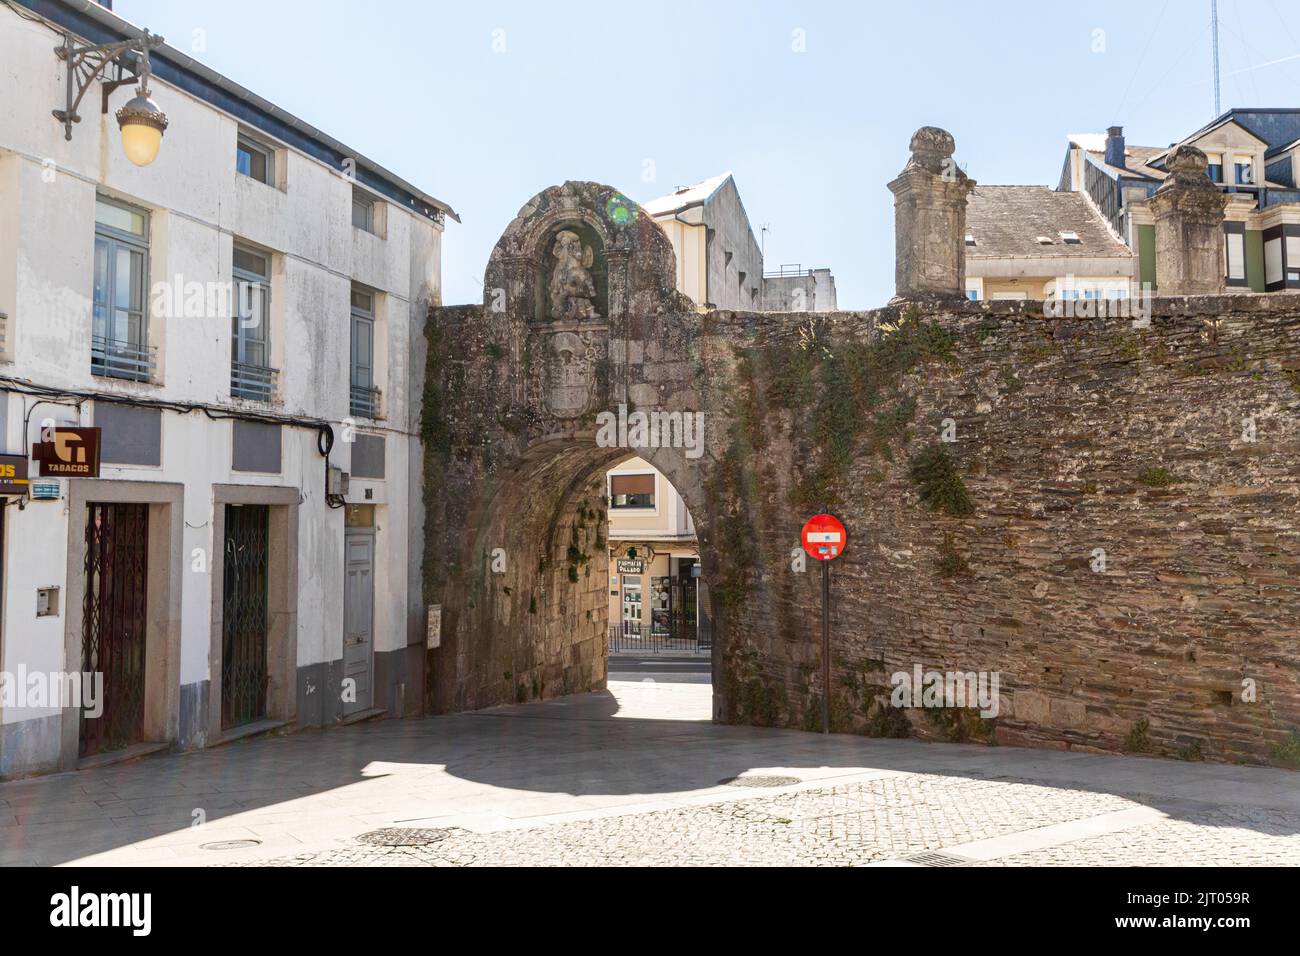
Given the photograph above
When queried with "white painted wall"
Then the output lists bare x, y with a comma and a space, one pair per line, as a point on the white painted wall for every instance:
199, 206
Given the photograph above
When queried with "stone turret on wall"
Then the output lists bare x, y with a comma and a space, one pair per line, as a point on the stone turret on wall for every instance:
930, 218
1188, 210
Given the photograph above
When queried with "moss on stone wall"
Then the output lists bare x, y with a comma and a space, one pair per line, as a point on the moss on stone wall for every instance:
938, 483
435, 444
846, 396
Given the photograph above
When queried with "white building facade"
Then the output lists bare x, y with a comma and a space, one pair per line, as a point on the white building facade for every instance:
237, 318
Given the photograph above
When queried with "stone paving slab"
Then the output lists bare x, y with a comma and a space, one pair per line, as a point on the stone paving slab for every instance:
865, 823
633, 776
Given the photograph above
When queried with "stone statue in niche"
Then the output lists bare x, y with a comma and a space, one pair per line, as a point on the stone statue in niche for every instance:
572, 290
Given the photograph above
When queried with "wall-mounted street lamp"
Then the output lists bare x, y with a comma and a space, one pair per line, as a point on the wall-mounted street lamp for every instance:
141, 121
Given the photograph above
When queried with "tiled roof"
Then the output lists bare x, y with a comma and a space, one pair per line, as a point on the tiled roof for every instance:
1136, 159
1006, 222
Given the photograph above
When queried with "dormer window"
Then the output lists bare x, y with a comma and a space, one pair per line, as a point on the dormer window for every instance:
1242, 171
1071, 237
970, 240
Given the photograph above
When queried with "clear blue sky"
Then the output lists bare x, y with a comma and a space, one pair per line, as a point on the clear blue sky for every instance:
592, 90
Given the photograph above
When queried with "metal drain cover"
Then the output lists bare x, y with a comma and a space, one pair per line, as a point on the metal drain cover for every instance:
405, 836
230, 845
937, 859
759, 781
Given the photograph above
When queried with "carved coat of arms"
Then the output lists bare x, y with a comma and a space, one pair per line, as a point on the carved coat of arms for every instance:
570, 374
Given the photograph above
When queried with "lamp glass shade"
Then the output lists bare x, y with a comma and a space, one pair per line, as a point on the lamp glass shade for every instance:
141, 142
142, 125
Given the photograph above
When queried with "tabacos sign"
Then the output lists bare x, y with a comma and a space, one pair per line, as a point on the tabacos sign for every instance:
68, 453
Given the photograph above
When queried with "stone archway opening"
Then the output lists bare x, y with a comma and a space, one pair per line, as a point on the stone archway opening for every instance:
529, 617
659, 607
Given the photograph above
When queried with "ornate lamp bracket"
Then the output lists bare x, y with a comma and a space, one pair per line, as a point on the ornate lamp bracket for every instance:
87, 63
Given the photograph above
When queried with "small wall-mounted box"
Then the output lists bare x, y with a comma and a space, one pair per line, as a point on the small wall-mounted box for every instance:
336, 482
45, 490
47, 602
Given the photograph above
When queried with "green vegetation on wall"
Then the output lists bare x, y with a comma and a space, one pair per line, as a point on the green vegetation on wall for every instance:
435, 442
938, 482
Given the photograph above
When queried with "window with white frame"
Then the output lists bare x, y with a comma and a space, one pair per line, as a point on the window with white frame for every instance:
364, 400
1214, 167
364, 212
1234, 253
251, 375
120, 324
632, 491
255, 160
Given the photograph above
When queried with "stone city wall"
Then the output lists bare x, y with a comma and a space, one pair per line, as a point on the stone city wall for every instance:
1102, 511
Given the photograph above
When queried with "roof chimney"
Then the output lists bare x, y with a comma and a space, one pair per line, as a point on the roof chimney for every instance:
1115, 147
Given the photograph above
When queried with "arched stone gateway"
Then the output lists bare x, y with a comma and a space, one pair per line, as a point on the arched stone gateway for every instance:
1101, 511
580, 319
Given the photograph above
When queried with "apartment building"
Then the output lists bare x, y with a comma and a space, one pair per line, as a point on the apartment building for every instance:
1254, 157
233, 331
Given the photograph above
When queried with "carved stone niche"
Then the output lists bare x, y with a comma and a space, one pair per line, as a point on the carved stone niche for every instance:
622, 251
573, 281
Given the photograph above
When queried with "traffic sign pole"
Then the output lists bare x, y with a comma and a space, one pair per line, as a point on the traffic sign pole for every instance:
826, 647
824, 538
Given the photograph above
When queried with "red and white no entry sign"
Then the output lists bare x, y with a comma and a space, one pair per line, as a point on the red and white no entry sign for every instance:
824, 537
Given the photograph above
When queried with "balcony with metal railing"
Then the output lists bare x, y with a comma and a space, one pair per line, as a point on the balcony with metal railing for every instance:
785, 270
253, 381
365, 402
117, 358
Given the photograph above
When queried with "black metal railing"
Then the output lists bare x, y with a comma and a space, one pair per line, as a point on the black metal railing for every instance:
682, 637
365, 401
116, 358
252, 381
788, 269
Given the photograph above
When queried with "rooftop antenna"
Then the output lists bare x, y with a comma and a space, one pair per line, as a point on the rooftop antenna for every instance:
762, 240
1214, 31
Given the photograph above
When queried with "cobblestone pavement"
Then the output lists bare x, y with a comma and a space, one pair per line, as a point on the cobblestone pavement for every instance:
1219, 837
889, 819
640, 775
